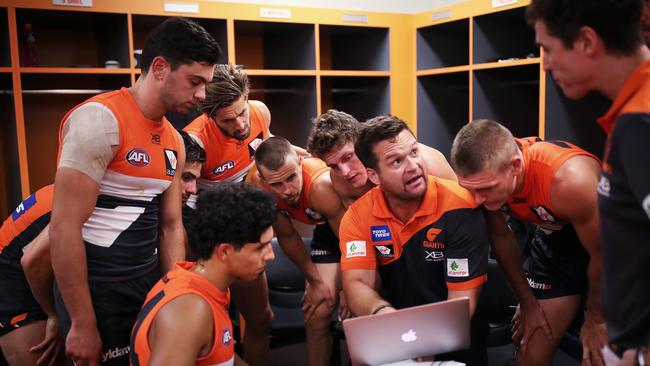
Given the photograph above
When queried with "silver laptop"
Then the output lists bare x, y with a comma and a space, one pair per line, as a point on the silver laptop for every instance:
423, 330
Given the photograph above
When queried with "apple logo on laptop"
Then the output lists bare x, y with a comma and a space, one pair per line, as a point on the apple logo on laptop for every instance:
409, 336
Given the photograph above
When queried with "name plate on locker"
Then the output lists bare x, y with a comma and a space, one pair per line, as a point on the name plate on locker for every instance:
354, 18
275, 13
189, 8
499, 3
85, 3
441, 15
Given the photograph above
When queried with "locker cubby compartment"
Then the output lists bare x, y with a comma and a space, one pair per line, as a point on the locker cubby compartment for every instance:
144, 24
503, 35
10, 193
292, 102
443, 45
5, 54
267, 45
76, 39
442, 108
510, 96
575, 120
362, 97
354, 48
46, 99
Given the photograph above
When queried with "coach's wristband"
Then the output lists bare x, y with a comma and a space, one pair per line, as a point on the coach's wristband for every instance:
379, 308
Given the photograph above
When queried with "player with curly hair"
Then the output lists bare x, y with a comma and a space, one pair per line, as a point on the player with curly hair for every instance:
230, 233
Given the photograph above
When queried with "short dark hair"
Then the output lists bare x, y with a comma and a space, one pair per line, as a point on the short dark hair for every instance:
617, 22
374, 131
229, 83
194, 153
331, 130
235, 213
273, 153
180, 41
482, 144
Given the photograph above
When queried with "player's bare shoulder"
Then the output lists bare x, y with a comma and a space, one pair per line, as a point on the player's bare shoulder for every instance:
323, 196
575, 184
436, 163
263, 109
345, 191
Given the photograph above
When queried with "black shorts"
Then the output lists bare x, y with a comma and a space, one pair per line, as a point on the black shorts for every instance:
116, 306
556, 263
325, 245
17, 304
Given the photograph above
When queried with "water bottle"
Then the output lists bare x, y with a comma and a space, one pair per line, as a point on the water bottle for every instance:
29, 47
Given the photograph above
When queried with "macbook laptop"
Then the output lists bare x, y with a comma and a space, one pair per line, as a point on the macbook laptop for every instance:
423, 330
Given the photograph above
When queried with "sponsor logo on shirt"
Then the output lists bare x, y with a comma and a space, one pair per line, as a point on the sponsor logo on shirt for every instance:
254, 144
138, 157
226, 338
28, 203
313, 215
319, 252
355, 248
457, 267
380, 233
433, 255
170, 162
538, 285
385, 251
543, 213
115, 353
603, 186
285, 212
223, 167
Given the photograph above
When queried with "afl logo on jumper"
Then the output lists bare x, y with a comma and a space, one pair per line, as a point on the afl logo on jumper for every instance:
138, 157
223, 167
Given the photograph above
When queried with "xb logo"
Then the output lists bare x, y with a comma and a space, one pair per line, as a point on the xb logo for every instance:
433, 256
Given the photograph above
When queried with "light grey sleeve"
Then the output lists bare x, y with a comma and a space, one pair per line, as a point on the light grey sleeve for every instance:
90, 139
